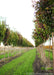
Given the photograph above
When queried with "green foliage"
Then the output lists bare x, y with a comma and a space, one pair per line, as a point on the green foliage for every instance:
20, 40
16, 39
50, 68
40, 34
13, 38
47, 53
10, 37
7, 32
44, 20
42, 68
2, 32
26, 43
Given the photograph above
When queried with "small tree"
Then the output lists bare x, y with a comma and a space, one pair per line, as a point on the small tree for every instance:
2, 32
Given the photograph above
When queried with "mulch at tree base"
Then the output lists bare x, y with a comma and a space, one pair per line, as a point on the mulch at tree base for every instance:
37, 66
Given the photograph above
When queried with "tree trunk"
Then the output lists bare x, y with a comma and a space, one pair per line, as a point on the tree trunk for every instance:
49, 48
53, 50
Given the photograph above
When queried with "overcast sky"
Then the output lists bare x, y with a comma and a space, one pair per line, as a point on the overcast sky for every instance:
19, 15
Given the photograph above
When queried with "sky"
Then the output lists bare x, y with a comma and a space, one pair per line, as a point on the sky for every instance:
48, 42
19, 16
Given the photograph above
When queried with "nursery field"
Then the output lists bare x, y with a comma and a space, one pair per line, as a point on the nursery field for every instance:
22, 65
47, 47
9, 52
49, 54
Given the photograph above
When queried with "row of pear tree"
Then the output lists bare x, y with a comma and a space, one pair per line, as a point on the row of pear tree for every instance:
11, 37
44, 21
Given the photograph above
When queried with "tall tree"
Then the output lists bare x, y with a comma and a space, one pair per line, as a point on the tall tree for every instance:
7, 32
2, 32
44, 17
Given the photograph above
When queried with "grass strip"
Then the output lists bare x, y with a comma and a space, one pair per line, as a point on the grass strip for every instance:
47, 53
20, 65
10, 54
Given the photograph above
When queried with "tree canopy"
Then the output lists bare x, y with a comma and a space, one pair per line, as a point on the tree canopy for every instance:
44, 20
14, 38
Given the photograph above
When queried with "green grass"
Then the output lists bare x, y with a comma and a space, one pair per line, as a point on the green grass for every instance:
42, 68
49, 68
20, 65
10, 54
47, 54
6, 55
38, 54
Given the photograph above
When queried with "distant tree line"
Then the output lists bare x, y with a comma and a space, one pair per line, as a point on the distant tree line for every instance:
14, 38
